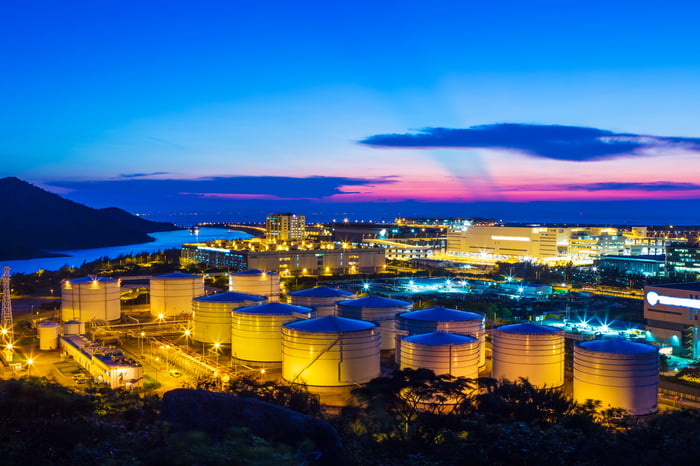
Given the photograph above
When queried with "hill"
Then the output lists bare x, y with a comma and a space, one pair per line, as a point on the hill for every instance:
35, 221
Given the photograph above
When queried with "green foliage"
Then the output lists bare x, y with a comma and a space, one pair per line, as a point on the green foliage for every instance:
291, 396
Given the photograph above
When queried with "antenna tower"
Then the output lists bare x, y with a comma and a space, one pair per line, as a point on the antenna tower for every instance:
6, 325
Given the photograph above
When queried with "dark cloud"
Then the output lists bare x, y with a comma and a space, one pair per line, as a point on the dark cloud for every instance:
141, 175
133, 190
573, 143
653, 186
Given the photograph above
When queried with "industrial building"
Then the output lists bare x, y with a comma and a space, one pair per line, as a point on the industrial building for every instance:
292, 260
508, 242
671, 311
109, 366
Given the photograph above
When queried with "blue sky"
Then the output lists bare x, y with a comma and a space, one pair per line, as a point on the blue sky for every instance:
96, 95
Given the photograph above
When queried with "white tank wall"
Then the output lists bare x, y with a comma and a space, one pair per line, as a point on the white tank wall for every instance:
211, 320
475, 328
48, 336
173, 296
263, 284
385, 317
627, 381
90, 300
74, 327
258, 337
536, 357
458, 360
324, 305
330, 359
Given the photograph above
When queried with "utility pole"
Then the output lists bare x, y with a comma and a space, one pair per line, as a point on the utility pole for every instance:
7, 326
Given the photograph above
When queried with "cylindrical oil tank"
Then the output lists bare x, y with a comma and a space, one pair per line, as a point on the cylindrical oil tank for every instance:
74, 327
322, 299
534, 352
330, 351
382, 311
443, 353
256, 331
90, 298
172, 293
619, 373
211, 315
48, 336
257, 282
440, 319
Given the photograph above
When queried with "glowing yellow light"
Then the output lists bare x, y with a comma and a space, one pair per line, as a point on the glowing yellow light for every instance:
217, 345
262, 371
9, 346
161, 316
4, 331
188, 332
30, 361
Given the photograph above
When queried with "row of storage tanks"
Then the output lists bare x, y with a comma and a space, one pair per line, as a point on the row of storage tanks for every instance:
97, 298
327, 338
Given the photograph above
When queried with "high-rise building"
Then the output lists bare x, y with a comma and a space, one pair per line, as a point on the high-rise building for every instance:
285, 227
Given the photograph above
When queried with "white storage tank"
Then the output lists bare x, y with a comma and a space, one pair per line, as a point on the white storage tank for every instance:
382, 311
441, 319
257, 282
322, 299
330, 351
90, 298
74, 327
211, 315
256, 331
48, 336
619, 373
443, 353
534, 352
172, 293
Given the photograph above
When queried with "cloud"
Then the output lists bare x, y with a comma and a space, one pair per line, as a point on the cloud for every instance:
571, 143
141, 175
651, 186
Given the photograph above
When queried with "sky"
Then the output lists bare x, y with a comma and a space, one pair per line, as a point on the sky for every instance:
543, 111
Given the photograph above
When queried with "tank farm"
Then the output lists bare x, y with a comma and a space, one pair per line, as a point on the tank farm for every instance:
331, 339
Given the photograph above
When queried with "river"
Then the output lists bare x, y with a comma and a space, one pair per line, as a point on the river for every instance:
163, 240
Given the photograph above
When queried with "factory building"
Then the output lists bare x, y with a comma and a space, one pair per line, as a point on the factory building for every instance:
508, 242
291, 261
109, 366
671, 311
285, 227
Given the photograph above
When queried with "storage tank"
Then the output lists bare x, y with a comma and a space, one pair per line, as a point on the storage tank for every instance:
257, 282
172, 293
322, 299
440, 319
90, 298
211, 315
330, 351
619, 373
74, 327
534, 352
48, 336
256, 331
443, 353
382, 311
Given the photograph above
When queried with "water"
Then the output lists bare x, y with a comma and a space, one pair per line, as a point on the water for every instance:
164, 240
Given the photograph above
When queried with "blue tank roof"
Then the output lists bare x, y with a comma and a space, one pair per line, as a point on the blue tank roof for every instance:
321, 292
528, 329
89, 279
618, 346
330, 324
374, 301
441, 314
176, 275
440, 339
254, 272
230, 297
273, 309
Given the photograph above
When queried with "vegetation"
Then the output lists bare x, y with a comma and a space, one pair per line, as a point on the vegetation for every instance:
410, 418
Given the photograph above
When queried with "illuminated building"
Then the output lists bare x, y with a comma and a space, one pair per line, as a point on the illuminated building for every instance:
650, 266
107, 365
508, 242
291, 259
671, 311
285, 227
683, 260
